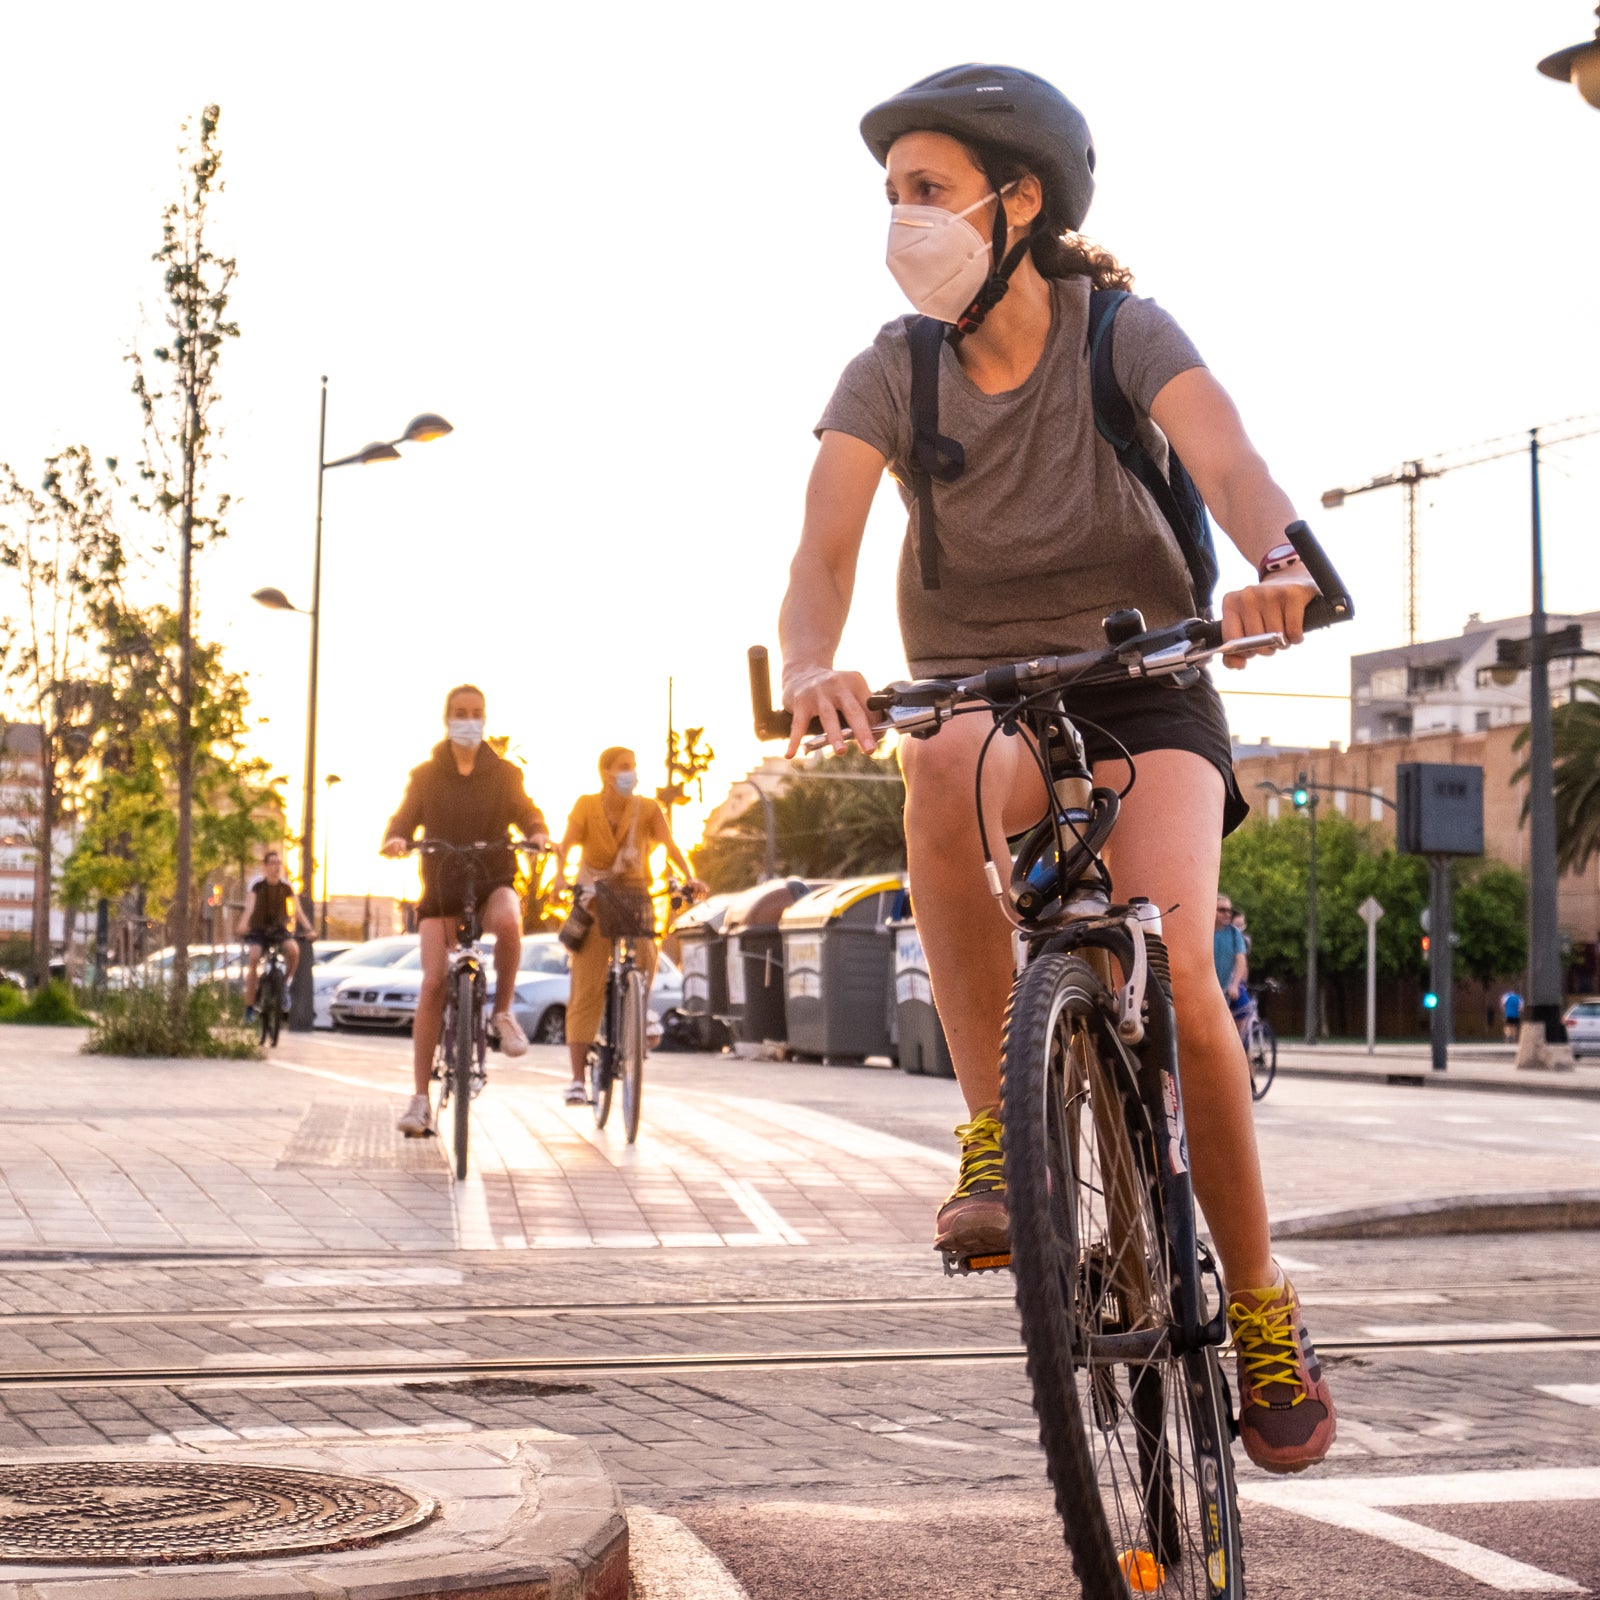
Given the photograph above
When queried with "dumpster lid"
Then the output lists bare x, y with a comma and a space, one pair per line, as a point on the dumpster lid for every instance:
706, 918
832, 900
761, 906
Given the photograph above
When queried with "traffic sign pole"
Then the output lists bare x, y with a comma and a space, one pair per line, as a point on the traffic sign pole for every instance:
1371, 911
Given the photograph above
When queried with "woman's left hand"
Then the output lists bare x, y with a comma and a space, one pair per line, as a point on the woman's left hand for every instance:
1275, 605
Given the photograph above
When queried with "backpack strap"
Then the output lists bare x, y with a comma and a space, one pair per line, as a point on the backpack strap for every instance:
932, 455
1117, 423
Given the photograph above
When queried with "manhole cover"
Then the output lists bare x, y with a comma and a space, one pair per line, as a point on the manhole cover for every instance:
144, 1513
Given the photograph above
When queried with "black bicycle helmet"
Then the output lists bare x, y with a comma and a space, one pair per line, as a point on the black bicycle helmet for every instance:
1000, 106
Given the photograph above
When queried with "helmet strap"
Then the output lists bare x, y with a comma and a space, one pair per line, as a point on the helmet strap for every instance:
1005, 263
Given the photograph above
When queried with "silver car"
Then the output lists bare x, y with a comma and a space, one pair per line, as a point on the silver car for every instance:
389, 999
371, 960
1583, 1028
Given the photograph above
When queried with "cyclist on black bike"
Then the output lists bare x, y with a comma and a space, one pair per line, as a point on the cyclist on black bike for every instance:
1038, 533
463, 794
271, 913
1231, 954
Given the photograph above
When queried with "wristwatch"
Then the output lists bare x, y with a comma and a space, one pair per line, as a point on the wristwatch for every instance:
1276, 559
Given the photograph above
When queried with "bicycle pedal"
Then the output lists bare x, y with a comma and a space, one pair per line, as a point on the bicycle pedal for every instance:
957, 1265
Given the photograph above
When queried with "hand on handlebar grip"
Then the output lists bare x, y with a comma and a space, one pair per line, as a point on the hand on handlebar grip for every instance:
1333, 603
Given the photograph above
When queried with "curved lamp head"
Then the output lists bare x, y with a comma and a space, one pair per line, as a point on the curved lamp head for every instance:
430, 425
274, 600
1578, 65
332, 778
378, 450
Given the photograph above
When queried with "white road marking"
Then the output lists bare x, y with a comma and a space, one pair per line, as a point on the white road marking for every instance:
1446, 1331
1580, 1394
401, 1089
759, 1209
667, 1562
1354, 1503
365, 1277
1296, 1264
471, 1205
1372, 1297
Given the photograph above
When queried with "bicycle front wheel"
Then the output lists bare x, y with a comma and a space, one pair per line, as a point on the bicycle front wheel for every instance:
271, 1009
630, 1062
463, 1050
1135, 1434
1263, 1058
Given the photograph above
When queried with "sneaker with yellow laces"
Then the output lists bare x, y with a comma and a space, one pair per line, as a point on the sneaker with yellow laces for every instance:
1286, 1417
973, 1220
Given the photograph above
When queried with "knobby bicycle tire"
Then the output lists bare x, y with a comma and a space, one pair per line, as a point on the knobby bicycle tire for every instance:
1263, 1054
630, 1066
461, 1052
1091, 1258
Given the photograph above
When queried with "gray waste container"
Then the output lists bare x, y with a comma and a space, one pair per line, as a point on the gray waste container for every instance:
837, 956
753, 950
919, 1035
703, 960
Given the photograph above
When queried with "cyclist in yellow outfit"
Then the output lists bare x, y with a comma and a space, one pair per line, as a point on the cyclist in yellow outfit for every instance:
616, 831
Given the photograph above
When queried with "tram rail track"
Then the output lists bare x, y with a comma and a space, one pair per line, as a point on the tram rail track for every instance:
241, 1374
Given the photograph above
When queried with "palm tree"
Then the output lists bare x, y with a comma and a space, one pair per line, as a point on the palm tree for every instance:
1575, 731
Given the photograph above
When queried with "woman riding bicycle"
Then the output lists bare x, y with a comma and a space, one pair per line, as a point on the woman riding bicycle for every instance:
1042, 535
616, 831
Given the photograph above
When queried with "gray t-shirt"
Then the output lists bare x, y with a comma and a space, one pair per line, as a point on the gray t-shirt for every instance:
1044, 533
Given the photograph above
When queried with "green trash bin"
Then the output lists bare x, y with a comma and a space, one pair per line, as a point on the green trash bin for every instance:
919, 1035
837, 958
703, 960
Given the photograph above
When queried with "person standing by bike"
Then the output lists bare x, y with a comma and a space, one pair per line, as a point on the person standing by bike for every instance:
616, 831
271, 912
463, 794
1037, 533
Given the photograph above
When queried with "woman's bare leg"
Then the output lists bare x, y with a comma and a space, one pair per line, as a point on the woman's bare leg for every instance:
437, 934
1167, 846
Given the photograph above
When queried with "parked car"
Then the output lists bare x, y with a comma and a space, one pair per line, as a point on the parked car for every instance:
1583, 1028
388, 1000
370, 959
206, 961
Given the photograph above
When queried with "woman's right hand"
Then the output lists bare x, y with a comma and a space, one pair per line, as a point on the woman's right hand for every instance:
394, 845
837, 699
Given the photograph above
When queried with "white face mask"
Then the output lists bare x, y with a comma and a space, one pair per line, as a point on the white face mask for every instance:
465, 732
938, 258
626, 782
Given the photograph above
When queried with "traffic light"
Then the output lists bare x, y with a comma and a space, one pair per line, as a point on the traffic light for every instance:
1430, 1001
1302, 795
1427, 944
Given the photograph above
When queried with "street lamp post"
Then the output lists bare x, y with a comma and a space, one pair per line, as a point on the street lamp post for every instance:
327, 851
428, 425
769, 868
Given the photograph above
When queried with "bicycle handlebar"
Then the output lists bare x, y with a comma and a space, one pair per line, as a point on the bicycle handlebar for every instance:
433, 847
1143, 653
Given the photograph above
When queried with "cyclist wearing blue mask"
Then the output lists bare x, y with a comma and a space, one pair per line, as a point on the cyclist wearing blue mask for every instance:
464, 793
1026, 531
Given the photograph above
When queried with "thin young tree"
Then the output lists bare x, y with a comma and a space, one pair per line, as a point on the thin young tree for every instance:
48, 539
175, 382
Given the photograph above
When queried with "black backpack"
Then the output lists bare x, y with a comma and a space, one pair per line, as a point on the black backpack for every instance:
933, 456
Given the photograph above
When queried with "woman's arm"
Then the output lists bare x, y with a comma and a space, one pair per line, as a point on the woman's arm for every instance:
1203, 425
822, 578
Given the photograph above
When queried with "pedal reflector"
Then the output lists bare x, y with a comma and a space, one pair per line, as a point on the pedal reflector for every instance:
1144, 1573
989, 1263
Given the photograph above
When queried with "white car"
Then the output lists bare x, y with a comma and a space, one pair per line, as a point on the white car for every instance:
1583, 1028
371, 959
389, 999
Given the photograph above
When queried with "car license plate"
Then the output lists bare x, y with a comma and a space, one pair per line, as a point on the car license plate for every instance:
366, 1011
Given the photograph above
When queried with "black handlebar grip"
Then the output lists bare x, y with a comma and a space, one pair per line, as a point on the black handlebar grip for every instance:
1333, 604
771, 722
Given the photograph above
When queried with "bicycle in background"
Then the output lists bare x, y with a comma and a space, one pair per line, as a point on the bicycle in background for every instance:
459, 1063
272, 994
1257, 1036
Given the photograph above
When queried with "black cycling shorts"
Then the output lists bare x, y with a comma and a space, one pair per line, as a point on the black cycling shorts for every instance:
449, 898
266, 936
1154, 715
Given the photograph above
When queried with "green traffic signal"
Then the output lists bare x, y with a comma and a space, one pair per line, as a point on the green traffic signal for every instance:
1302, 796
1429, 1001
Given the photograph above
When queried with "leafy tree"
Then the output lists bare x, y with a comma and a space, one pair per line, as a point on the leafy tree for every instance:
51, 539
1491, 918
1575, 733
838, 817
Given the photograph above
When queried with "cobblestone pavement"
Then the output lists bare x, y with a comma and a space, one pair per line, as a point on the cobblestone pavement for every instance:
299, 1153
202, 1216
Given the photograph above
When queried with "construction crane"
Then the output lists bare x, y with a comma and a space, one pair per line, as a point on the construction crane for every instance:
1413, 474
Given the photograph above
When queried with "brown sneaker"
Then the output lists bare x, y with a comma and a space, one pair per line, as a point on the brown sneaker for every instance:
973, 1220
1286, 1416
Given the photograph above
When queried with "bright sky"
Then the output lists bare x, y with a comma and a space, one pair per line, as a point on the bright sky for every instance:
627, 249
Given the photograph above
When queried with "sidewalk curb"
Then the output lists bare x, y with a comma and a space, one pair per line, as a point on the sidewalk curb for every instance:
1530, 1083
1534, 1212
560, 1533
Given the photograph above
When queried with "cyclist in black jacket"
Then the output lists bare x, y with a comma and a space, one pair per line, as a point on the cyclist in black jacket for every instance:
463, 794
270, 912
